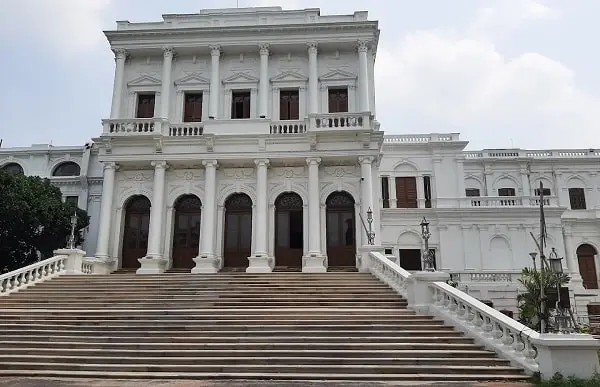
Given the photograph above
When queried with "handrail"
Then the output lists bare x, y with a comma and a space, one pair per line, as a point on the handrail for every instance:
389, 272
28, 275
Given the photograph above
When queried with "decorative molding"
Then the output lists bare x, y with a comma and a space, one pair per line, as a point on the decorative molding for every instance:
289, 76
241, 79
338, 75
264, 48
144, 80
193, 79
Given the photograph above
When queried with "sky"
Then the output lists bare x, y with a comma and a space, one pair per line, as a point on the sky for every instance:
503, 73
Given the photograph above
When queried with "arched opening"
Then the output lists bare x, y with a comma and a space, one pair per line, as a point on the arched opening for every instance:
135, 233
13, 168
186, 231
586, 256
67, 168
341, 231
289, 230
238, 231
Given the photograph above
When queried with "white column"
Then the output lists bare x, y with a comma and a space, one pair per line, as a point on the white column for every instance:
260, 261
366, 186
460, 171
313, 79
215, 53
206, 262
106, 204
392, 185
120, 57
525, 183
157, 210
571, 258
165, 90
363, 75
314, 261
263, 107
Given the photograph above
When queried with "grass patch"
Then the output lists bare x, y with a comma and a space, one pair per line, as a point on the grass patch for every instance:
561, 381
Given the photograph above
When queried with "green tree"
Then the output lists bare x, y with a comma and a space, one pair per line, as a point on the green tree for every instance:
530, 313
34, 221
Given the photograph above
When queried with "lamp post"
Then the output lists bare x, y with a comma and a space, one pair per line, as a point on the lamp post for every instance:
562, 320
425, 234
370, 233
72, 236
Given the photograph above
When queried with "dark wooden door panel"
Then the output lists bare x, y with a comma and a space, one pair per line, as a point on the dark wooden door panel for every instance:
135, 239
341, 237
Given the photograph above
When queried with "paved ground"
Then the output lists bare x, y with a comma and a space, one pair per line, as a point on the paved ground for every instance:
35, 382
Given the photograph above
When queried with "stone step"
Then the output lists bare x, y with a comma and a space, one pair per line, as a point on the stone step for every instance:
194, 325
276, 376
268, 361
27, 349
275, 346
238, 368
204, 297
216, 313
142, 338
200, 304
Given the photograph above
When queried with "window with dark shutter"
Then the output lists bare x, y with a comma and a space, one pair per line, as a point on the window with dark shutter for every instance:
545, 191
506, 192
338, 100
427, 190
289, 105
406, 192
472, 192
577, 198
192, 111
385, 192
240, 104
145, 106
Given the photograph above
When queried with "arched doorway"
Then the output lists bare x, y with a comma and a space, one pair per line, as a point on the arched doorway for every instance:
135, 234
238, 231
587, 265
341, 233
289, 230
186, 231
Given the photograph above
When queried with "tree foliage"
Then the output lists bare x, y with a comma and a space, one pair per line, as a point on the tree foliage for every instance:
530, 313
34, 221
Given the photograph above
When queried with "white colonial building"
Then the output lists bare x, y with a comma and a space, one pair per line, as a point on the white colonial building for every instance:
247, 139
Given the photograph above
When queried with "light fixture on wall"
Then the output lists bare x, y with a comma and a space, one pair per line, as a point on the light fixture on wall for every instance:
428, 264
72, 236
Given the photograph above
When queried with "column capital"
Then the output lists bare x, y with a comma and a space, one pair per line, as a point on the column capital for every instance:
363, 45
313, 47
313, 160
365, 159
120, 53
264, 48
210, 163
261, 162
111, 165
168, 52
159, 164
215, 50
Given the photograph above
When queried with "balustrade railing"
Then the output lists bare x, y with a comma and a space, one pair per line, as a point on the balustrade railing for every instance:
507, 201
333, 121
186, 129
288, 127
491, 328
132, 126
500, 276
34, 273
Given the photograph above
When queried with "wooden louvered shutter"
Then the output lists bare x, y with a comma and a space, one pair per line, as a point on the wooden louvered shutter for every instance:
406, 192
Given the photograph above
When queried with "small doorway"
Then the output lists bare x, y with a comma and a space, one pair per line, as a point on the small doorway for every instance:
135, 233
586, 256
410, 259
341, 230
186, 231
238, 231
289, 230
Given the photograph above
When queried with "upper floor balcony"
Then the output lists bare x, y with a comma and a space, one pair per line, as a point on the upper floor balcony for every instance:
258, 126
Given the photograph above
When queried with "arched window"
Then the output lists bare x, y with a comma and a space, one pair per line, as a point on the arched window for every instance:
68, 168
13, 168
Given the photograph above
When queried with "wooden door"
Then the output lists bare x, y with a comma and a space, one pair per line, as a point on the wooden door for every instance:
135, 234
341, 231
186, 232
289, 230
406, 192
238, 231
587, 266
338, 100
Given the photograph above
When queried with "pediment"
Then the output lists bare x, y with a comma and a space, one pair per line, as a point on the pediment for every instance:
337, 75
144, 80
289, 76
241, 78
192, 79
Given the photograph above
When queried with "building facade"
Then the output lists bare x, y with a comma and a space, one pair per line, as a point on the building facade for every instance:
247, 139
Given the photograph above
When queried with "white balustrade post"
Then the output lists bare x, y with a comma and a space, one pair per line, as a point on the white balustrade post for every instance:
263, 90
418, 290
165, 90
120, 57
260, 261
74, 260
313, 79
314, 261
106, 209
569, 355
363, 77
206, 261
215, 53
153, 262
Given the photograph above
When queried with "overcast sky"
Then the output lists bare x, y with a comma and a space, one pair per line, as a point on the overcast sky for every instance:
503, 73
